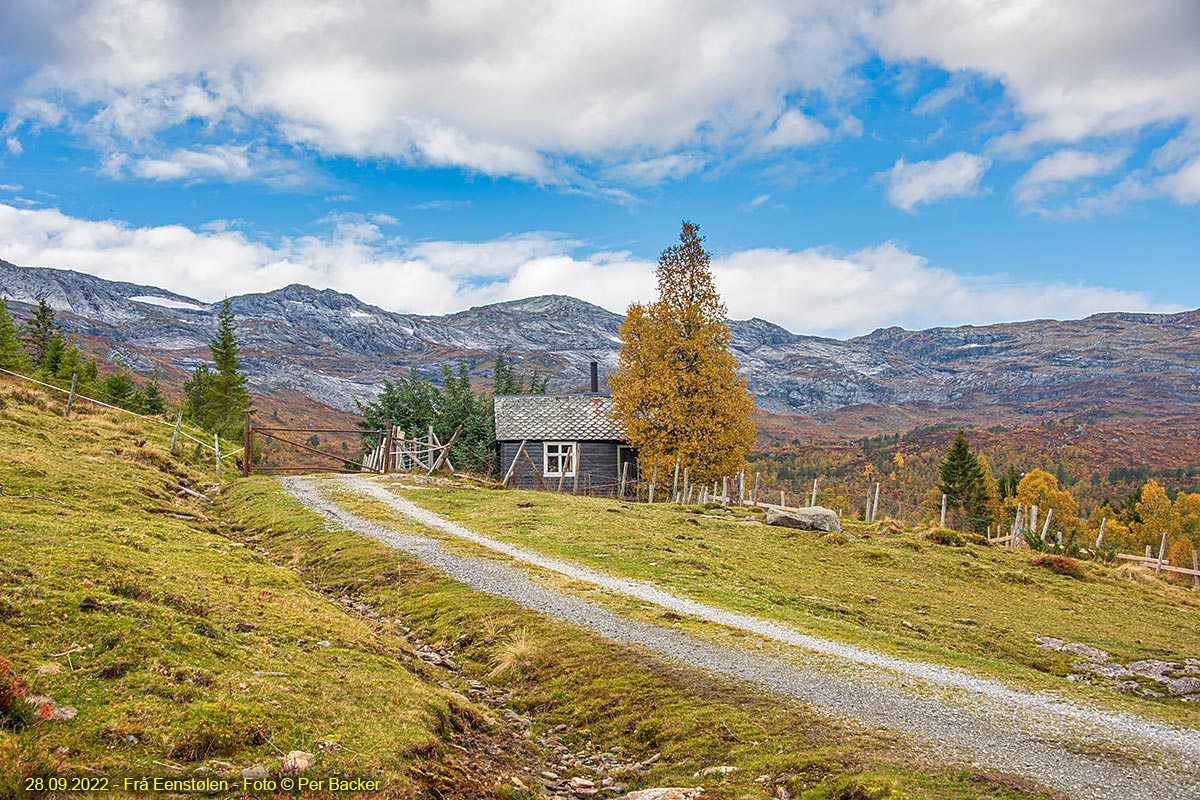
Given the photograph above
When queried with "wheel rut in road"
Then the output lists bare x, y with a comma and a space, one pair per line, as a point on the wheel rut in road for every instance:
965, 718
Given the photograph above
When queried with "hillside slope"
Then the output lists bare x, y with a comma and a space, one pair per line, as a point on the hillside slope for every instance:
168, 648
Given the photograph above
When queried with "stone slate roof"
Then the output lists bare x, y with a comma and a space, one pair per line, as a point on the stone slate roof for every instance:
569, 417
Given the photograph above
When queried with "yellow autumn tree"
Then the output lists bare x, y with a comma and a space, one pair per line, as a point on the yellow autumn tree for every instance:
1155, 516
1040, 488
676, 389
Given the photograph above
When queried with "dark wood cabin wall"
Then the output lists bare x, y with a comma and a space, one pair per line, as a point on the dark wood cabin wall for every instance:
597, 466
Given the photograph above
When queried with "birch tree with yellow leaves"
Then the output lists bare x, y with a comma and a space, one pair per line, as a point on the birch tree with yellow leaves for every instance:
676, 389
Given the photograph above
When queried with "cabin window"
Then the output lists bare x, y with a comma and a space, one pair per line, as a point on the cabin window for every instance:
559, 460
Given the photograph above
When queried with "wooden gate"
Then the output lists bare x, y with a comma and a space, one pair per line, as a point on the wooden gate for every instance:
379, 460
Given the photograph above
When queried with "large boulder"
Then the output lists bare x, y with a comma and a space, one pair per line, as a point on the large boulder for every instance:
814, 518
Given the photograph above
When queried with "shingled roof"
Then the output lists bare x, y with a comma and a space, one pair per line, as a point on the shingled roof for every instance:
570, 417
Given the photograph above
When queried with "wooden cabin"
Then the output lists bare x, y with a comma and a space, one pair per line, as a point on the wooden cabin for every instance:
566, 442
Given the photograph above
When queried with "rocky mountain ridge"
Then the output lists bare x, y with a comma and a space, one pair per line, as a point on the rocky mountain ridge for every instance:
336, 348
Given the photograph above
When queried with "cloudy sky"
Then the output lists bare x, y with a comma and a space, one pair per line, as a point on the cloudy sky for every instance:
853, 163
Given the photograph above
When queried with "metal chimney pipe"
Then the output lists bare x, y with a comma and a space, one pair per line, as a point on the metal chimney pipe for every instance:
595, 378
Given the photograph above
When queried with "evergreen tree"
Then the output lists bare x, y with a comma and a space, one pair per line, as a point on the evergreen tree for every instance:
195, 396
71, 363
150, 399
963, 482
676, 390
216, 399
40, 333
12, 357
117, 389
506, 380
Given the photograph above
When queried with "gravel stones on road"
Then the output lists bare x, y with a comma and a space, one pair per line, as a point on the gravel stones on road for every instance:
966, 718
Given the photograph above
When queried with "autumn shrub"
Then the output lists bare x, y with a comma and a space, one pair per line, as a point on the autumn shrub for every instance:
1061, 565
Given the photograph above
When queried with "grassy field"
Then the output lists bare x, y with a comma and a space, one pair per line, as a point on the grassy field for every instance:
218, 635
898, 590
128, 602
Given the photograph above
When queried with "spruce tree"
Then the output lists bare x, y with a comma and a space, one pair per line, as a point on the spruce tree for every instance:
40, 333
12, 357
195, 396
228, 402
150, 399
963, 483
118, 389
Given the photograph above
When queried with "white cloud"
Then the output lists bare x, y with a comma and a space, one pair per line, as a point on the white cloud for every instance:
918, 182
10, 187
851, 293
755, 203
1075, 68
1184, 185
820, 291
492, 87
1064, 167
655, 170
440, 205
14, 145
794, 129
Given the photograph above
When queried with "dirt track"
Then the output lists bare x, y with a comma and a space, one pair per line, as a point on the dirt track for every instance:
965, 718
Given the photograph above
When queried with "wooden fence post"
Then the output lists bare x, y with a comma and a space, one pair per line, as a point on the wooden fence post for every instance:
653, 479
217, 452
742, 488
1100, 538
814, 494
175, 433
246, 448
624, 478
1162, 549
754, 494
724, 490
782, 497
943, 510
675, 485
71, 397
1046, 526
387, 447
687, 488
1195, 567
875, 506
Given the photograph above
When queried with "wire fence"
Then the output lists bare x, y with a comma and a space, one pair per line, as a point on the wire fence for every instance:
177, 425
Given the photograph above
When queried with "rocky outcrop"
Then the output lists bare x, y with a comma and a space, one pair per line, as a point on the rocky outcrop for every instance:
814, 518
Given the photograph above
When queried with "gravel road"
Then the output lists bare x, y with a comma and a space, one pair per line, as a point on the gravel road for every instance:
966, 719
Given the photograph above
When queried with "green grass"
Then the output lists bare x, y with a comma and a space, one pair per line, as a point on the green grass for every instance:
893, 589
162, 627
164, 614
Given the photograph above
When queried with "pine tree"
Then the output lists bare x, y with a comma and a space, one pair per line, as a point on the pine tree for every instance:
117, 389
150, 400
40, 333
12, 357
195, 396
963, 483
228, 402
676, 390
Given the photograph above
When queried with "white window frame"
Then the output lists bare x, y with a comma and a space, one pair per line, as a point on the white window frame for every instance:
560, 448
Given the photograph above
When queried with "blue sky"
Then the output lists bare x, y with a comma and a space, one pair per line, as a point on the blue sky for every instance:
853, 164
